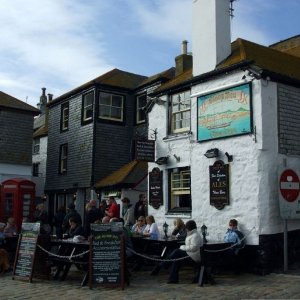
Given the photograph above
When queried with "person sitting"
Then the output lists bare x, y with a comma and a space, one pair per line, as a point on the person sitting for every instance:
75, 228
71, 212
179, 231
112, 211
190, 251
139, 227
234, 237
10, 229
151, 229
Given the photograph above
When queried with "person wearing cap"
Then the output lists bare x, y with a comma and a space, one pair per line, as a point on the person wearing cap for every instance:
71, 212
93, 215
128, 213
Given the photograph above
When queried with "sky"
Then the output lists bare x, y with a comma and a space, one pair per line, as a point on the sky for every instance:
62, 44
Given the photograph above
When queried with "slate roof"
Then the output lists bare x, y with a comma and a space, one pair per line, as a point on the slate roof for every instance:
128, 176
8, 101
243, 51
115, 78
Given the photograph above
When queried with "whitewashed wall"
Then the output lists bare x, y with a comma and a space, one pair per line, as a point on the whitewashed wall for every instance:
253, 172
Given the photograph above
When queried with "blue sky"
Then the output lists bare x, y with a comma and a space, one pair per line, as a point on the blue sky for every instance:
61, 44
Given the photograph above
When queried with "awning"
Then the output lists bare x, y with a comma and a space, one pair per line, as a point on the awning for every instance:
127, 176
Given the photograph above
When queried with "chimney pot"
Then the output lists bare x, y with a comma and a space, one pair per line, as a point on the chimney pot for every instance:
50, 97
184, 47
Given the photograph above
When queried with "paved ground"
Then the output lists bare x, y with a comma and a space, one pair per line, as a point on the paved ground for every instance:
144, 287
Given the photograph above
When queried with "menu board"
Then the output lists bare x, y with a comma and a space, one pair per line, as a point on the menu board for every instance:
155, 188
25, 254
107, 255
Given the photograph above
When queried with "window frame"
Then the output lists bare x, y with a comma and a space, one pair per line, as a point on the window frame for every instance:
140, 109
172, 114
63, 159
84, 110
35, 169
64, 117
122, 108
36, 145
180, 191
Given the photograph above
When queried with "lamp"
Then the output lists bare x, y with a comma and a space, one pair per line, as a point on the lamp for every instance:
204, 233
162, 160
229, 157
165, 227
214, 152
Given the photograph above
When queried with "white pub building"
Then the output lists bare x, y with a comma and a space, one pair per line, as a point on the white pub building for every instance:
226, 128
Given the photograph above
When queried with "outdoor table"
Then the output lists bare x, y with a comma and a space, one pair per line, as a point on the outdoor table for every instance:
67, 254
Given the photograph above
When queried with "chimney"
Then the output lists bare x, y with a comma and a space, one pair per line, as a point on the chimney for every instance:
50, 97
184, 61
43, 101
211, 34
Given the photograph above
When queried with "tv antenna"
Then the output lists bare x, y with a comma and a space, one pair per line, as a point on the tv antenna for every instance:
231, 9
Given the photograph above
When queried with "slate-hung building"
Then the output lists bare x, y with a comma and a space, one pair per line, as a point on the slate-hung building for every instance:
16, 123
91, 133
226, 128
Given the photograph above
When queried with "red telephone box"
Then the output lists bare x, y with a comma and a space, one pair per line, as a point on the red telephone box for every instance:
17, 200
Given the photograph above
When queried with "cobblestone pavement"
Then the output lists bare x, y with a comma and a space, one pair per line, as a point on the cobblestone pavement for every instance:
143, 286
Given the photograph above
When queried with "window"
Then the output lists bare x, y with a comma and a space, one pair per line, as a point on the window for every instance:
36, 146
180, 112
35, 169
180, 190
64, 117
63, 159
87, 107
111, 107
141, 102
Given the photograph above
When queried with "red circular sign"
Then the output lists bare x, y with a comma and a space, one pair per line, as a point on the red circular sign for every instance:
289, 185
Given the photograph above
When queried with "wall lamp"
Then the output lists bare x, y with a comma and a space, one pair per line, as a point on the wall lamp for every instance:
211, 153
229, 157
162, 160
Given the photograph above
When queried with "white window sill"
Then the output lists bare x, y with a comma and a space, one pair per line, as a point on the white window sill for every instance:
178, 215
177, 136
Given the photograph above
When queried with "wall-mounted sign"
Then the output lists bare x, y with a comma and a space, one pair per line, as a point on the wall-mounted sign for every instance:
225, 113
219, 184
145, 150
155, 188
289, 200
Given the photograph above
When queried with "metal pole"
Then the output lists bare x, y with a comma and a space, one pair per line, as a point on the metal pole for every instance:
285, 247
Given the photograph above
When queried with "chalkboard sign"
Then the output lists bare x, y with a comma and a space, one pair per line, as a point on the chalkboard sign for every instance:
219, 184
155, 188
145, 150
107, 255
25, 254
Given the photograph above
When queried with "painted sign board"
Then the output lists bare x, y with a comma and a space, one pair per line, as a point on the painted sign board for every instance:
289, 190
224, 113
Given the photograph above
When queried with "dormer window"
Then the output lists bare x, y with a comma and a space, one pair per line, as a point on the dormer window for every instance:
180, 112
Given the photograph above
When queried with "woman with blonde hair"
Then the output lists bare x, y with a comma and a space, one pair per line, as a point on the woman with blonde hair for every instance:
151, 229
179, 231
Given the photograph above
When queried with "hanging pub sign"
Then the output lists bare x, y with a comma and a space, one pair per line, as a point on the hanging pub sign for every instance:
145, 150
155, 188
219, 184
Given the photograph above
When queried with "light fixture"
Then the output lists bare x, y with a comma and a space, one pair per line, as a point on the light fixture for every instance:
214, 152
177, 157
165, 227
229, 157
204, 233
162, 160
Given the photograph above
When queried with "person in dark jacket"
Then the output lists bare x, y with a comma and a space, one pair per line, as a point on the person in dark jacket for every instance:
75, 228
58, 221
93, 214
140, 207
72, 212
